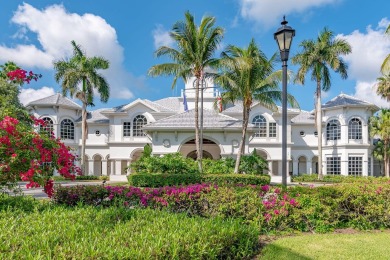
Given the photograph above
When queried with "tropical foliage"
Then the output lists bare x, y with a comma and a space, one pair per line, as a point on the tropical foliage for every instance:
196, 46
318, 57
385, 68
380, 128
249, 76
79, 78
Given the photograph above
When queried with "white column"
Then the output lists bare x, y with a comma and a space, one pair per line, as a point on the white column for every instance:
118, 167
104, 167
128, 169
280, 168
295, 167
308, 167
112, 167
270, 167
90, 167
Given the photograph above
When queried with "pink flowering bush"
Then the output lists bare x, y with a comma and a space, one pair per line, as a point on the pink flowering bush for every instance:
31, 156
21, 76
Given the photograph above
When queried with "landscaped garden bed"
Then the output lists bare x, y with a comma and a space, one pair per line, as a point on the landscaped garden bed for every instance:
339, 179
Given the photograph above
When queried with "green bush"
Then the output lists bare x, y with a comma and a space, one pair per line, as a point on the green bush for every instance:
233, 179
160, 180
121, 233
221, 166
173, 163
85, 194
253, 164
339, 179
82, 178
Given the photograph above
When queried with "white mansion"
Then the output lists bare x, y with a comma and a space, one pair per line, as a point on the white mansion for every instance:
116, 136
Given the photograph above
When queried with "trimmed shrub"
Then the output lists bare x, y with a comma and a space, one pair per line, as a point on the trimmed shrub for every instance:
233, 179
221, 166
82, 178
121, 233
160, 180
84, 194
340, 179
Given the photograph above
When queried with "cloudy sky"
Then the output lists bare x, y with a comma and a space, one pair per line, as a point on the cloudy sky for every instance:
35, 33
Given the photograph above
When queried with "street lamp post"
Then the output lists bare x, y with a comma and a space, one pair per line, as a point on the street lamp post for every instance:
283, 37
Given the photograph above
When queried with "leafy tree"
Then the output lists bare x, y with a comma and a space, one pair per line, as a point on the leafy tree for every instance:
319, 56
196, 46
250, 76
380, 127
383, 85
385, 68
79, 77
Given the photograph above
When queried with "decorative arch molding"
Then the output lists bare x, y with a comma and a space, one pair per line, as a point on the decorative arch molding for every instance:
49, 116
97, 154
204, 137
264, 151
358, 117
135, 151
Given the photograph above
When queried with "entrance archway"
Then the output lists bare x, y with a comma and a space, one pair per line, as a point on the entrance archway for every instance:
97, 165
302, 165
314, 165
211, 150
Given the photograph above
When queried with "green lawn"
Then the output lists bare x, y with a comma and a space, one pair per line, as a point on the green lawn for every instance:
330, 246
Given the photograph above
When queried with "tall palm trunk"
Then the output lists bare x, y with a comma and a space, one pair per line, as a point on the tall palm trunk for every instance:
386, 158
319, 128
83, 129
197, 132
242, 143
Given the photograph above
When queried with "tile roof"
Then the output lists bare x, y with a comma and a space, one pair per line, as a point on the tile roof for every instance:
185, 120
303, 117
55, 100
172, 103
345, 100
96, 117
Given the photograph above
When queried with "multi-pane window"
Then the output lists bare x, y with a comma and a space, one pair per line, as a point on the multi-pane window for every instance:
48, 127
138, 122
355, 165
67, 129
355, 129
261, 123
333, 165
333, 130
369, 166
272, 130
126, 128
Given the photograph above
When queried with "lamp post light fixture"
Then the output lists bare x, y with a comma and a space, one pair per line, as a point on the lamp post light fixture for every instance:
283, 37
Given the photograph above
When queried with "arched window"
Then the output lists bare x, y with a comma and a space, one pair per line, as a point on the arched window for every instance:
355, 129
261, 123
48, 127
333, 130
138, 122
67, 129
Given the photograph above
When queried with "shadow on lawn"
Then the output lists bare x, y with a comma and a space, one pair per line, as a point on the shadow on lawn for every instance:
271, 251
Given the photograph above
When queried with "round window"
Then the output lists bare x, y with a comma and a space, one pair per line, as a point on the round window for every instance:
302, 133
97, 132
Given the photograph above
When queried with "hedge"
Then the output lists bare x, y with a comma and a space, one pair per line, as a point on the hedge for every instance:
339, 179
83, 178
160, 180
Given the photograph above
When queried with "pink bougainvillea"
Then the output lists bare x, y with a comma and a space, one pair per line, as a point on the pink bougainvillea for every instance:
33, 156
21, 76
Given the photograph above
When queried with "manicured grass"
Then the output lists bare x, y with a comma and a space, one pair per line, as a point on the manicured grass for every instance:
330, 246
30, 230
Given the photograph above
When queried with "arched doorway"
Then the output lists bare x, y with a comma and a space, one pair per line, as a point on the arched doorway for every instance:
210, 149
314, 165
302, 162
97, 165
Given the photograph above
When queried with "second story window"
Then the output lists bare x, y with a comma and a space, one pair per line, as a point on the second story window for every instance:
48, 127
67, 129
138, 122
126, 128
272, 130
261, 124
355, 129
333, 130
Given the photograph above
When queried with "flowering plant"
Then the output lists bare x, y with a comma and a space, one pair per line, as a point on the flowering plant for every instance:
21, 76
32, 156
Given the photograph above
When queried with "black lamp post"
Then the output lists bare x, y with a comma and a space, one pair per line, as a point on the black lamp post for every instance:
283, 37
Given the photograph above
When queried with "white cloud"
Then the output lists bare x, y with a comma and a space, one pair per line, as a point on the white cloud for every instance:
29, 94
269, 12
368, 52
367, 91
55, 29
161, 37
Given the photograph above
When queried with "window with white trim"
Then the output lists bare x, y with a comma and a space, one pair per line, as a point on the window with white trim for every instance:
261, 124
369, 166
333, 165
355, 165
48, 127
67, 129
272, 129
138, 122
355, 129
333, 130
126, 129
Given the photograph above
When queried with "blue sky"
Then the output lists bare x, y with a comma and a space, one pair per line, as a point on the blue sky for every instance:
34, 33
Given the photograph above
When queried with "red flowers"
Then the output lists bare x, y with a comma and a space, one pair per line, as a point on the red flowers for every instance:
21, 76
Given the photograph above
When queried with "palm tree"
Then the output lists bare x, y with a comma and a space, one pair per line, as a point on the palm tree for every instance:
249, 76
385, 68
78, 76
383, 85
196, 46
319, 56
380, 127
